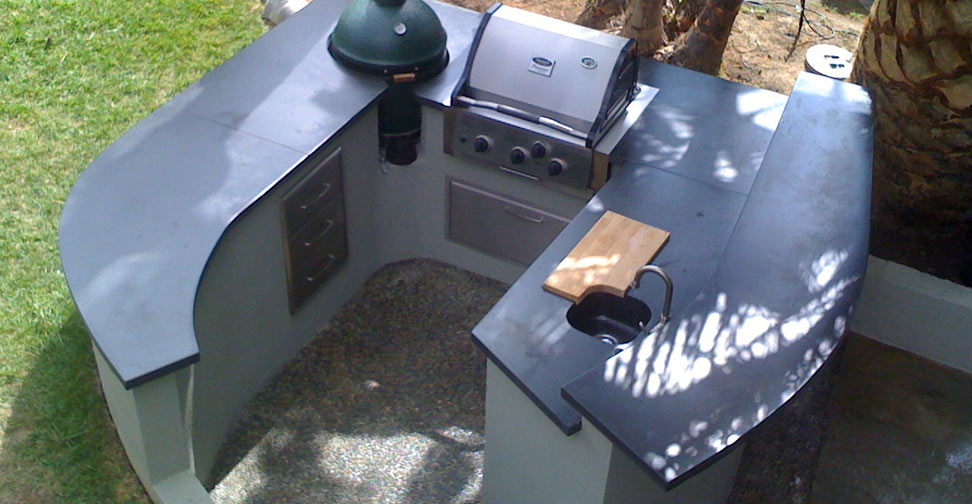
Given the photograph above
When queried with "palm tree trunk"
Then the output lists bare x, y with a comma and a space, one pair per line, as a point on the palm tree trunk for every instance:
701, 47
916, 58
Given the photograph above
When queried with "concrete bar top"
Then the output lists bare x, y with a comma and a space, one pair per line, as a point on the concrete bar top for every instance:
775, 308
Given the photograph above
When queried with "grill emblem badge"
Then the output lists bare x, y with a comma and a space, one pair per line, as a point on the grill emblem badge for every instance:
541, 66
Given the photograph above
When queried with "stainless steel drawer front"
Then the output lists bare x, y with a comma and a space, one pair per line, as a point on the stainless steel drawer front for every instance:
315, 238
316, 271
314, 191
319, 238
499, 224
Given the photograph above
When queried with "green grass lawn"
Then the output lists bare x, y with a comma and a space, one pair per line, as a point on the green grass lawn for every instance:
74, 76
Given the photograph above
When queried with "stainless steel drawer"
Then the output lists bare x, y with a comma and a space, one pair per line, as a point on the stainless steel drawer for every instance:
314, 192
314, 234
320, 235
500, 224
315, 251
305, 283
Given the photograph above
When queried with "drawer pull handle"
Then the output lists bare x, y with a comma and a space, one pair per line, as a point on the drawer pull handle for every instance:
521, 174
328, 262
536, 220
315, 199
318, 236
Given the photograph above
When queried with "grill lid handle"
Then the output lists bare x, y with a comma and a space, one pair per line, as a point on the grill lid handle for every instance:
521, 114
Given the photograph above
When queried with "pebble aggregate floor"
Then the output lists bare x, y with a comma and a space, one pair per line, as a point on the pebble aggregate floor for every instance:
385, 406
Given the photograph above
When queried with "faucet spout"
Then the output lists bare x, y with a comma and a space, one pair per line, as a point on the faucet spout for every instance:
667, 307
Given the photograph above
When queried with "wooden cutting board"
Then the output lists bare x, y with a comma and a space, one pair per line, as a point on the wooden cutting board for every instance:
607, 258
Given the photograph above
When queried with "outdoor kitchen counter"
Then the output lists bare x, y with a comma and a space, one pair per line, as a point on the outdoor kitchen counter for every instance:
767, 251
766, 265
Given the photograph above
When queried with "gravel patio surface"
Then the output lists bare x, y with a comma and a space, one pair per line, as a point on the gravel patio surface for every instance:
385, 405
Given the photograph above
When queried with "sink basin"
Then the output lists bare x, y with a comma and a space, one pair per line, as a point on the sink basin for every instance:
609, 318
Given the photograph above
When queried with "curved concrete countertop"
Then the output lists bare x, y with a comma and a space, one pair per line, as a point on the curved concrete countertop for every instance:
767, 266
767, 263
775, 308
133, 253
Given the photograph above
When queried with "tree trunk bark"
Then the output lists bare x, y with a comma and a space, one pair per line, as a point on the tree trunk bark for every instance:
916, 58
686, 13
701, 47
597, 13
644, 22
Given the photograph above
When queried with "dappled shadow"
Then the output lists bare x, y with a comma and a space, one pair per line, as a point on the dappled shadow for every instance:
702, 127
725, 336
588, 270
672, 361
385, 405
59, 444
779, 462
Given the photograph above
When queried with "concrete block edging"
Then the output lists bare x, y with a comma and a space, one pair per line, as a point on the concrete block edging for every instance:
916, 312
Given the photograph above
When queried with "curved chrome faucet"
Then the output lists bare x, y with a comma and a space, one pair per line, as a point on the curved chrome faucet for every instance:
667, 307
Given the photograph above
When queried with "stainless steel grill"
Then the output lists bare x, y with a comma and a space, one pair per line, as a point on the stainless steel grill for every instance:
537, 96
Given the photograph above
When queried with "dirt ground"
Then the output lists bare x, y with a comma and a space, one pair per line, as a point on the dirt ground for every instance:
761, 36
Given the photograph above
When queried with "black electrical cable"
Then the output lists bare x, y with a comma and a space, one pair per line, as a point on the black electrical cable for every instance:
821, 22
796, 39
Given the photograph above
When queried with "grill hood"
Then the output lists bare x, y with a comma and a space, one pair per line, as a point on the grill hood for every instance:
580, 77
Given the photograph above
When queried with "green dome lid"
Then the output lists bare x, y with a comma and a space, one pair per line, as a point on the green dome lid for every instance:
390, 37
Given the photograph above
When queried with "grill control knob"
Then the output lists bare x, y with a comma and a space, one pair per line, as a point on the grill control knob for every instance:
518, 155
556, 166
538, 150
482, 143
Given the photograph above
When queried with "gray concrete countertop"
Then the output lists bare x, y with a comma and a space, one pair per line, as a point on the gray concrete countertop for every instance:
776, 307
140, 224
765, 281
142, 220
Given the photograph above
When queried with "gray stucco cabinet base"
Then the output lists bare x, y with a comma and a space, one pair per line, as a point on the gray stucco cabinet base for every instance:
529, 460
153, 422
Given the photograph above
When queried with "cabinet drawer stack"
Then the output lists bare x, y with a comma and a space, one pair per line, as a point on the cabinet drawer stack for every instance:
315, 243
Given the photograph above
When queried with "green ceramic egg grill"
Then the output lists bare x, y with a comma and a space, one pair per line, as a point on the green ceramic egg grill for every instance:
402, 41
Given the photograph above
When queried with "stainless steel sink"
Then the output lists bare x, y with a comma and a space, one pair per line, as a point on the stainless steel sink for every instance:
609, 318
